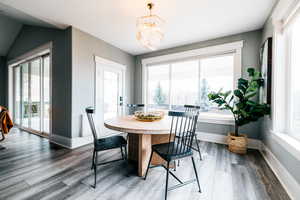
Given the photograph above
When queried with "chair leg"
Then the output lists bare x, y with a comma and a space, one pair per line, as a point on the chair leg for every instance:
197, 143
195, 169
95, 169
93, 162
122, 152
175, 165
167, 181
126, 156
3, 136
148, 165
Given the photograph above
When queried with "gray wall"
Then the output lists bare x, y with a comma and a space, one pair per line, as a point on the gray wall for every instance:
2, 80
9, 31
85, 47
250, 58
31, 37
291, 163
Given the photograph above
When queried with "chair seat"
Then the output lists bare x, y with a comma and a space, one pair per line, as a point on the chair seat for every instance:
110, 143
162, 151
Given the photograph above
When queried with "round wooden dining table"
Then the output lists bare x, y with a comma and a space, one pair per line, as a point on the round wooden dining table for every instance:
141, 136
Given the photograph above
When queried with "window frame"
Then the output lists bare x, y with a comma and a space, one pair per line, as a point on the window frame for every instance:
37, 53
282, 107
234, 48
277, 125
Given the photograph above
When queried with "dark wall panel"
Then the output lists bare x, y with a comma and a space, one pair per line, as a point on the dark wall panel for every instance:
2, 80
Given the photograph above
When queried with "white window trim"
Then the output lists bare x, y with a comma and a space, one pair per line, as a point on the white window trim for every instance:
234, 47
289, 143
123, 68
282, 18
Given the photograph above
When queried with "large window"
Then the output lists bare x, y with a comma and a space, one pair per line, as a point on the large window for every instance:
293, 60
174, 84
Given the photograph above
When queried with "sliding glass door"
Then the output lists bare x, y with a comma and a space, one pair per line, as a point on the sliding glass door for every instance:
32, 95
35, 95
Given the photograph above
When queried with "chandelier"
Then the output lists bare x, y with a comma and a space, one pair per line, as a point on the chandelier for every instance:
150, 29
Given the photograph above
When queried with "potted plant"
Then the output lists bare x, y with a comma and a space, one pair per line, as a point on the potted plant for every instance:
241, 102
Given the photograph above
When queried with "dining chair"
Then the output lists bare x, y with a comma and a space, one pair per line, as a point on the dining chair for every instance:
181, 136
134, 107
194, 109
102, 144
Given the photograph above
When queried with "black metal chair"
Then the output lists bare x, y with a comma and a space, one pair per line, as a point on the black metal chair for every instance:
181, 137
134, 107
194, 109
103, 144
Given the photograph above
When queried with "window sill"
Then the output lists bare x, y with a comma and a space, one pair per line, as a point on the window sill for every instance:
214, 118
291, 144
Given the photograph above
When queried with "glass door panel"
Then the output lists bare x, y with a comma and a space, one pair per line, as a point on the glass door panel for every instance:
111, 94
17, 95
25, 95
46, 94
35, 95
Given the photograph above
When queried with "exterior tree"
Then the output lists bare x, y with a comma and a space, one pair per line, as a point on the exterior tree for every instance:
159, 97
204, 100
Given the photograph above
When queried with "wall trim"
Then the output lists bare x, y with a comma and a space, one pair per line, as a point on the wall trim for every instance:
70, 143
108, 62
221, 139
290, 185
216, 119
234, 48
289, 143
43, 49
216, 49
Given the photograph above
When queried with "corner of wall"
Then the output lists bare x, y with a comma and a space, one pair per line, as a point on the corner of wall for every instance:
3, 81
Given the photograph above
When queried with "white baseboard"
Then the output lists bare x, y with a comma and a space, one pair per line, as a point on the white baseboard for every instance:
290, 185
70, 143
221, 139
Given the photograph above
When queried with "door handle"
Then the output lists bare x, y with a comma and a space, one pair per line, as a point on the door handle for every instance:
121, 101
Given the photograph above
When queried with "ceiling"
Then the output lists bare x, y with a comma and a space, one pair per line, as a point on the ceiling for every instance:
8, 34
114, 21
11, 21
22, 17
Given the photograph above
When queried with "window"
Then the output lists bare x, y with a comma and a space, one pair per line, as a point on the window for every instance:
293, 81
171, 85
158, 86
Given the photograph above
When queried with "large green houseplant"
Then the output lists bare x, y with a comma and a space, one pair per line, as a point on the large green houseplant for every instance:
241, 102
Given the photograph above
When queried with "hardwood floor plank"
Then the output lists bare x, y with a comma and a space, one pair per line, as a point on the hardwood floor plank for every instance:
13, 189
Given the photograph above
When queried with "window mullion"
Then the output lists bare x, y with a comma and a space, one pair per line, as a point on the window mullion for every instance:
170, 86
42, 89
199, 81
289, 103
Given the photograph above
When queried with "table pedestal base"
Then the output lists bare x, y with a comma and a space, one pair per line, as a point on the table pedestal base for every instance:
139, 150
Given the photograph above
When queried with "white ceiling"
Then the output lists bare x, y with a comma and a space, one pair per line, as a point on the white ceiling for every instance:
186, 21
21, 17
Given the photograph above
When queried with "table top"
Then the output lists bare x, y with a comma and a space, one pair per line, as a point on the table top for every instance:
129, 124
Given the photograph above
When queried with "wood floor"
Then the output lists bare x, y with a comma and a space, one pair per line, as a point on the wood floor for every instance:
31, 168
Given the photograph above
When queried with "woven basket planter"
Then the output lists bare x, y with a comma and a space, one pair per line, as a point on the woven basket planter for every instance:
237, 144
